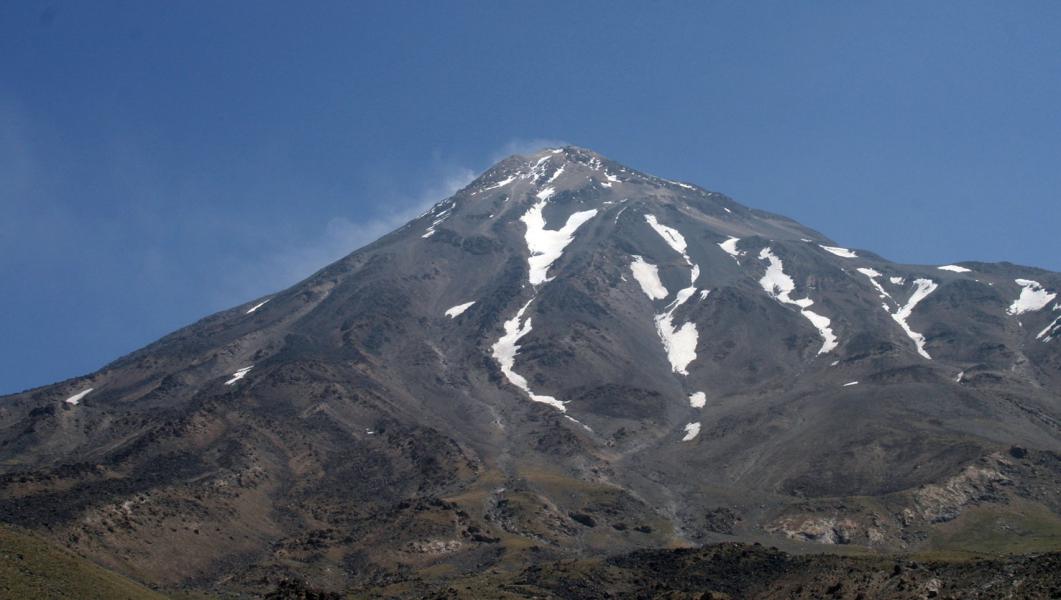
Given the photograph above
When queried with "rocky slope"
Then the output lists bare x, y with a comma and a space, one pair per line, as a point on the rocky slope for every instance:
730, 571
567, 358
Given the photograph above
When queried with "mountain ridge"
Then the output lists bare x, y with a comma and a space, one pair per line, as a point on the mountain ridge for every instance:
565, 358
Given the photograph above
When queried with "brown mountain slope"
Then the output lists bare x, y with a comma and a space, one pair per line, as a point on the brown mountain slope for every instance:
566, 359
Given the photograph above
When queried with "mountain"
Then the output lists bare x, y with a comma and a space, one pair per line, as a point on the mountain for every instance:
567, 358
32, 568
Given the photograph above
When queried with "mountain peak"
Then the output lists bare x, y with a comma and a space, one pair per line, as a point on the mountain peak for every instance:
565, 344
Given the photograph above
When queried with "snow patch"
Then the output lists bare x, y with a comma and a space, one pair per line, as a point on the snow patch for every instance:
924, 288
257, 306
505, 350
780, 286
501, 183
897, 280
873, 274
954, 268
557, 174
546, 193
1032, 297
678, 342
456, 311
538, 170
730, 247
439, 218
691, 431
73, 400
647, 276
240, 374
698, 400
841, 252
850, 383
546, 245
1052, 329
670, 235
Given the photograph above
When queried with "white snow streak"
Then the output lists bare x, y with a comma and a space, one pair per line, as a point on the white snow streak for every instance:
924, 288
1032, 297
546, 245
691, 431
647, 276
442, 216
240, 374
730, 247
538, 170
73, 400
501, 183
505, 350
779, 285
873, 275
850, 383
698, 400
678, 342
1048, 334
841, 252
456, 311
954, 268
257, 306
674, 239
557, 174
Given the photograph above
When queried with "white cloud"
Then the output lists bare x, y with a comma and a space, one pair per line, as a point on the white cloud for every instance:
341, 236
525, 146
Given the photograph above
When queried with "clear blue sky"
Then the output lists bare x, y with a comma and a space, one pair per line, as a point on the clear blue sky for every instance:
163, 160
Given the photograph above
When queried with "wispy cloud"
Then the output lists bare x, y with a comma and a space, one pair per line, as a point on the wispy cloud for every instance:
525, 146
160, 232
342, 235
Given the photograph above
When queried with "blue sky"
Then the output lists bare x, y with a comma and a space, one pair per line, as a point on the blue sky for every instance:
160, 161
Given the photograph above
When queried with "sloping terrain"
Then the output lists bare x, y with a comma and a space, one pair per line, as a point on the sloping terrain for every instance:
735, 571
566, 359
33, 568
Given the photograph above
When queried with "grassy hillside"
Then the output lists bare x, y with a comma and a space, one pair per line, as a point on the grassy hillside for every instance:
33, 568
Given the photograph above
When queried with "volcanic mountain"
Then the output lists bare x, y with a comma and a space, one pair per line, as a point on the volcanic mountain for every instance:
567, 358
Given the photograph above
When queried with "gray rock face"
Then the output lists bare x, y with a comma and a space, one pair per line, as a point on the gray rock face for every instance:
564, 336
